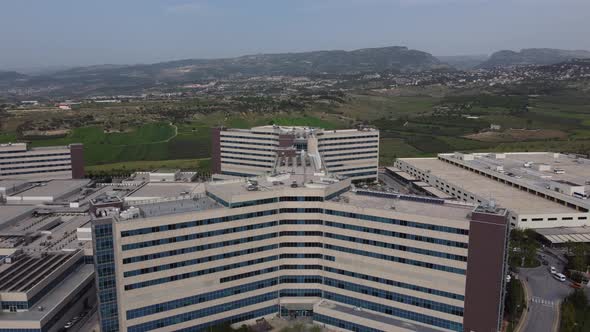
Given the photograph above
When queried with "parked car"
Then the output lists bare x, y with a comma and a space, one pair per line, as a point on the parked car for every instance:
552, 270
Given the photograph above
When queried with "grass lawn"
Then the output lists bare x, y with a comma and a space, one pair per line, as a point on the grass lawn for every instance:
369, 108
409, 128
392, 148
183, 164
148, 133
7, 137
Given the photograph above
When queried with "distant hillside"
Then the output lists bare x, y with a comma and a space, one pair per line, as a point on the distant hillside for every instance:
10, 78
463, 62
129, 78
10, 75
532, 56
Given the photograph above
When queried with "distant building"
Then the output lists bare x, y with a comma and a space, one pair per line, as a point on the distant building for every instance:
351, 153
44, 163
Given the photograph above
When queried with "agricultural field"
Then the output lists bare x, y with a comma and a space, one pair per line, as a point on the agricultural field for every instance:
177, 133
200, 165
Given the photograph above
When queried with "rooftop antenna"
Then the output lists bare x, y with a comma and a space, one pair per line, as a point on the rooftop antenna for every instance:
303, 161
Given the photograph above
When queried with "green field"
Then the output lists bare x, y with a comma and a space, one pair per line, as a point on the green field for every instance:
178, 136
392, 148
182, 164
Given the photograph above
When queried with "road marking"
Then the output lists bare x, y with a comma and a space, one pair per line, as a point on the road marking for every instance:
541, 301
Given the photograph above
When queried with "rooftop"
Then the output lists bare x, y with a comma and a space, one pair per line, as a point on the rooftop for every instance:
565, 234
54, 298
179, 206
27, 271
54, 188
296, 129
7, 184
506, 196
241, 186
574, 170
166, 170
415, 205
155, 190
10, 212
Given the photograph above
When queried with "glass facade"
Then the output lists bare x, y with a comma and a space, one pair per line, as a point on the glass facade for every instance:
258, 281
104, 263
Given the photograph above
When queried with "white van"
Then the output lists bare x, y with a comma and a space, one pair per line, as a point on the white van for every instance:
559, 277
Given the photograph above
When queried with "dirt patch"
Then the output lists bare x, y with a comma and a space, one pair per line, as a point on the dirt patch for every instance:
518, 135
46, 133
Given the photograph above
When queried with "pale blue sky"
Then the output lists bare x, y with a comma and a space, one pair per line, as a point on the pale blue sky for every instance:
39, 33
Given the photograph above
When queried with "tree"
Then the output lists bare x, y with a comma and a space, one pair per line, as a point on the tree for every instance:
569, 245
523, 248
568, 318
579, 259
574, 312
514, 298
577, 277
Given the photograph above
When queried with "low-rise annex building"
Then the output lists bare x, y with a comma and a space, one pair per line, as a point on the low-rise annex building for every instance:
540, 189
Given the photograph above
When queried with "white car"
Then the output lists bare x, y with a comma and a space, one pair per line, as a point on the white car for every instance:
559, 277
552, 270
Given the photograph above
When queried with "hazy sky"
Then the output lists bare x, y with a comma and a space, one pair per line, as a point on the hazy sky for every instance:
40, 33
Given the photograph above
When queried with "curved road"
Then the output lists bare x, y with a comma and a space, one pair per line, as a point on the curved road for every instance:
546, 293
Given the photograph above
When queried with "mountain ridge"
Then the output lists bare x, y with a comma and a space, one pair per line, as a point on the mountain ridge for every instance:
532, 56
136, 77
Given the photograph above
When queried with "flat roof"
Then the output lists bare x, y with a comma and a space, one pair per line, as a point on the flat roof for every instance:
54, 298
506, 196
27, 270
569, 183
54, 188
445, 210
437, 193
576, 169
178, 206
239, 186
12, 183
165, 171
9, 212
405, 176
155, 190
565, 234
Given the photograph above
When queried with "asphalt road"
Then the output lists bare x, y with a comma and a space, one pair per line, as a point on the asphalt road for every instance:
545, 293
